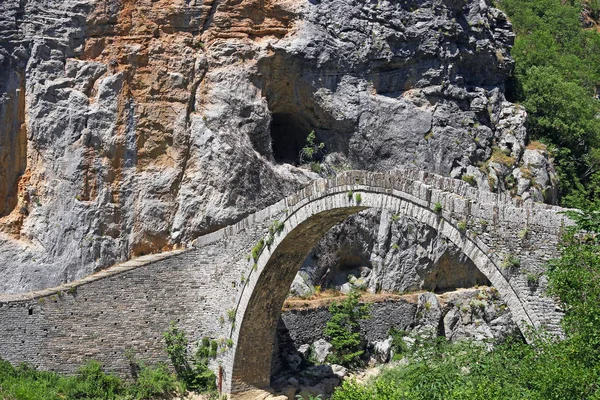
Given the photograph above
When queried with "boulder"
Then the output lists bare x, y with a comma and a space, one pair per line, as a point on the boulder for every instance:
321, 349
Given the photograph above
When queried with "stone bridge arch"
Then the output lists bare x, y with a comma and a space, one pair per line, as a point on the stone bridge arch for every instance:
202, 287
465, 219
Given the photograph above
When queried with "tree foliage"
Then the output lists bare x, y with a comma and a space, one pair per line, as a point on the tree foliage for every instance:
556, 78
575, 279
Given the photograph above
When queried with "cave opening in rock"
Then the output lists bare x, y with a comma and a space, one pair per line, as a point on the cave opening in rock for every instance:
288, 137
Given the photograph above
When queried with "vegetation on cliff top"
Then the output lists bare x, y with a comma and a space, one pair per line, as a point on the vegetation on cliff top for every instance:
557, 78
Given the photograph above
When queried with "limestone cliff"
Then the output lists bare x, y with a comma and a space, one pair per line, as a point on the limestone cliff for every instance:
129, 127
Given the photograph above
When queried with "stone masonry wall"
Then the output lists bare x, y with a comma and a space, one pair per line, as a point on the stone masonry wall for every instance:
306, 326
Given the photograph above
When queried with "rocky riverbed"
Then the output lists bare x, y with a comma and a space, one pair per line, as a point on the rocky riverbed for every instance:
300, 360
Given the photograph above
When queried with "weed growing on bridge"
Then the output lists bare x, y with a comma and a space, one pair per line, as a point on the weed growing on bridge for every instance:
437, 208
522, 233
511, 262
207, 349
462, 226
231, 315
192, 371
350, 194
257, 249
275, 228
358, 198
533, 280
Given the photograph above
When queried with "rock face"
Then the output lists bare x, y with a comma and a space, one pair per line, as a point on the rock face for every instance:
129, 127
385, 252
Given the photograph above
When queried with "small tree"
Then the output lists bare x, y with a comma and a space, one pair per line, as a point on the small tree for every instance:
311, 150
177, 350
193, 372
343, 330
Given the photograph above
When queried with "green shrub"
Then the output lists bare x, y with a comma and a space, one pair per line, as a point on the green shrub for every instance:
343, 330
316, 167
533, 279
470, 179
193, 372
399, 346
511, 262
312, 149
176, 346
214, 345
231, 315
257, 249
523, 233
155, 382
437, 208
275, 229
358, 198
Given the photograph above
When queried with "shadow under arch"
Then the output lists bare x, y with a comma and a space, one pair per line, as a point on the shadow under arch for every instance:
260, 303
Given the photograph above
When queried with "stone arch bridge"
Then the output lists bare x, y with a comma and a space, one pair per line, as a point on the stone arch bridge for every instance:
220, 290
